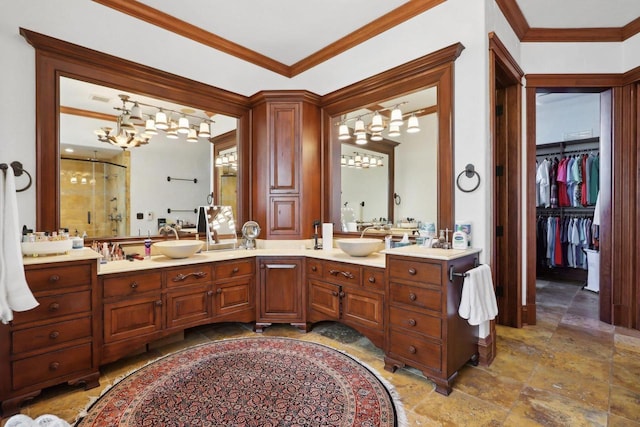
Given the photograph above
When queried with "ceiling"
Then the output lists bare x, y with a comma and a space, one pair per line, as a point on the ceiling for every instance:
291, 36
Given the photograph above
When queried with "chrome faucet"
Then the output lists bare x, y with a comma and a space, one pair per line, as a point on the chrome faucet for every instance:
167, 228
375, 227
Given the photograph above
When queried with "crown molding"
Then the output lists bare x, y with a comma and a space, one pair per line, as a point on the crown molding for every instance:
168, 22
526, 34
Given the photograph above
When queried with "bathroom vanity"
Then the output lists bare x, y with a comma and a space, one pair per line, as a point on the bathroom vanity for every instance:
405, 301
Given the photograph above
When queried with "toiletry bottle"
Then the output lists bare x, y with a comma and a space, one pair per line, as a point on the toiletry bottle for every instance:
147, 246
459, 240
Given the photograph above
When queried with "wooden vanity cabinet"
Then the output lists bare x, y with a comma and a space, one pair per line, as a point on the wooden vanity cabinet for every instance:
424, 329
234, 291
348, 293
52, 343
281, 293
189, 295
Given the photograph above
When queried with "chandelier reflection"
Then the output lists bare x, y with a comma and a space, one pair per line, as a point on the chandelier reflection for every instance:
391, 123
126, 135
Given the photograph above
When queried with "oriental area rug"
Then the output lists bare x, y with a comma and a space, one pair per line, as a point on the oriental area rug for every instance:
262, 382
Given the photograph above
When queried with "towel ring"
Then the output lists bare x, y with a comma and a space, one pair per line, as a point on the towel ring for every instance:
18, 171
469, 171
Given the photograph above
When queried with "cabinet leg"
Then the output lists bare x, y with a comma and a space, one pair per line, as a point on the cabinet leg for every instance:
304, 327
475, 359
391, 365
442, 387
12, 406
90, 381
259, 327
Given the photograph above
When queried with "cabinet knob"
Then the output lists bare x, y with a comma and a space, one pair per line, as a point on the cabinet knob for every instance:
314, 268
219, 291
54, 278
159, 303
412, 271
53, 366
334, 272
235, 270
412, 349
209, 293
411, 322
342, 294
412, 296
334, 293
372, 279
54, 306
133, 285
54, 334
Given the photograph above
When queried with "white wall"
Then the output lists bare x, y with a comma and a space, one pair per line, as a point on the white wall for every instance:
558, 115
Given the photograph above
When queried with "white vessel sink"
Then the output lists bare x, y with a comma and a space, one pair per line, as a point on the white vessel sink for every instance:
178, 248
360, 247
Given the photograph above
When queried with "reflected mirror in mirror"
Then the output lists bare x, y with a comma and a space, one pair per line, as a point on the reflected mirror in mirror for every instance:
110, 188
404, 190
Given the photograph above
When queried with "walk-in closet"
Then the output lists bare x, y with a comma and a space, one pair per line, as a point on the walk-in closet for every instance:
568, 145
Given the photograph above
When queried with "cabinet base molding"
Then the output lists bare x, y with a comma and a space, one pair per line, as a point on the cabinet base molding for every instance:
443, 386
486, 348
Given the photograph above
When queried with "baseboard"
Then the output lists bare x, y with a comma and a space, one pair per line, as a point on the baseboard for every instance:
529, 314
487, 347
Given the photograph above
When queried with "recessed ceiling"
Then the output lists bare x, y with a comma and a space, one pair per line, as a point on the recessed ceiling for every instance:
291, 36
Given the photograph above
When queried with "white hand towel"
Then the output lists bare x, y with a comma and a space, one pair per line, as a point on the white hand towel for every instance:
478, 302
15, 294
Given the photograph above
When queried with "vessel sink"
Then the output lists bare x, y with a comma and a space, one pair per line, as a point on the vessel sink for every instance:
360, 247
178, 248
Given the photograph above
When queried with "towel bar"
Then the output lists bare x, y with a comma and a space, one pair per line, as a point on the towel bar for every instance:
453, 273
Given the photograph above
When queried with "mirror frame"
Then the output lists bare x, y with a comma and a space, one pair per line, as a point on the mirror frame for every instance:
435, 69
56, 58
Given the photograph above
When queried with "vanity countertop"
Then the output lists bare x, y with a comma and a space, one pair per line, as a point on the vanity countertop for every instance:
376, 259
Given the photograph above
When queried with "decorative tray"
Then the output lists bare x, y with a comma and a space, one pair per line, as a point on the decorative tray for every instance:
49, 247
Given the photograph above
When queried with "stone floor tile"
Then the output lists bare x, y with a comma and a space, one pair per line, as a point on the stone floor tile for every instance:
625, 403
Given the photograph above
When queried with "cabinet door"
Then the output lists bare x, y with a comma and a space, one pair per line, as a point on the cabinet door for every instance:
324, 301
234, 296
280, 293
133, 317
285, 215
362, 307
189, 306
284, 147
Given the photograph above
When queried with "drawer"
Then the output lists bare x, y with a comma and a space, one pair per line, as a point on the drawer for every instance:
415, 271
48, 366
373, 278
416, 297
49, 335
416, 349
314, 267
131, 285
230, 269
55, 306
416, 322
342, 273
45, 279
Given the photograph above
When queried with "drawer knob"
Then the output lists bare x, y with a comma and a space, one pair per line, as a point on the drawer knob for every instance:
54, 334
314, 268
209, 293
53, 366
235, 270
54, 278
54, 306
372, 279
412, 349
133, 285
158, 303
334, 272
342, 294
412, 296
219, 291
412, 271
411, 322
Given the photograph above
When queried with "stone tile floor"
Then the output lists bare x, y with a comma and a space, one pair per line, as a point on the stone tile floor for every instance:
568, 370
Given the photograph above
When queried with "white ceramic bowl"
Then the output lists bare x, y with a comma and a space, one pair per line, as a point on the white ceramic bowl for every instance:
360, 247
178, 248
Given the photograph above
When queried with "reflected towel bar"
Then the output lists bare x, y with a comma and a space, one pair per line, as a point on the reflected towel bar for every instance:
195, 180
169, 210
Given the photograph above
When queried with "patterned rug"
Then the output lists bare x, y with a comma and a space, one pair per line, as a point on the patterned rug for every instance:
248, 382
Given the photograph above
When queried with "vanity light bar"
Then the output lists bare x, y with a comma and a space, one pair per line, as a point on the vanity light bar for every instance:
361, 161
378, 124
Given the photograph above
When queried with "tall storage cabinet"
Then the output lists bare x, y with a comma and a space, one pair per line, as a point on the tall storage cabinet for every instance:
286, 183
